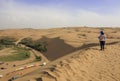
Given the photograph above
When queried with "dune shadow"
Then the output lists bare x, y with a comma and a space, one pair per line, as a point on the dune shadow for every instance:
86, 46
39, 79
57, 47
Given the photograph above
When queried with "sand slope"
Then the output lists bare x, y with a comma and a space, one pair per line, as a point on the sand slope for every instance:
74, 54
86, 65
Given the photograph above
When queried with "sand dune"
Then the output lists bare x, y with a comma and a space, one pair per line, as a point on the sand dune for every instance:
74, 54
85, 65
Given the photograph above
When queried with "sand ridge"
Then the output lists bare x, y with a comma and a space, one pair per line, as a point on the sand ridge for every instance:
74, 54
87, 65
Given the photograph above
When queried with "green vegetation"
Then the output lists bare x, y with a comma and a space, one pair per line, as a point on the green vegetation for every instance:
7, 41
38, 58
19, 54
37, 45
1, 47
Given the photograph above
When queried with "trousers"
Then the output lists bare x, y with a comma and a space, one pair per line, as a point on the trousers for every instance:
102, 44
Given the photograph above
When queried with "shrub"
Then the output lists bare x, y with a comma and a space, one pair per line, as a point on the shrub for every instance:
37, 45
1, 47
27, 41
38, 58
7, 41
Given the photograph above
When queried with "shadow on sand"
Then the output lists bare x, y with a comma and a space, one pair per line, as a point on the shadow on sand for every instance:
86, 46
57, 48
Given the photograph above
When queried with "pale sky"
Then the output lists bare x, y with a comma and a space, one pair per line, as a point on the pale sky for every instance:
59, 13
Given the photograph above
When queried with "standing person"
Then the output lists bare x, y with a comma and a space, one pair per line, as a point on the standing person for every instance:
102, 39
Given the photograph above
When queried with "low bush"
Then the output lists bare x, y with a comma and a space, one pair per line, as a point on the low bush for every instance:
7, 41
37, 45
38, 58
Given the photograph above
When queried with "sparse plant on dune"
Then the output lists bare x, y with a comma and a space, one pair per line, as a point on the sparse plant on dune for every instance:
38, 58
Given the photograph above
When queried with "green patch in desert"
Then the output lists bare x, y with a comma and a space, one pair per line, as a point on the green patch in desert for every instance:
1, 47
18, 54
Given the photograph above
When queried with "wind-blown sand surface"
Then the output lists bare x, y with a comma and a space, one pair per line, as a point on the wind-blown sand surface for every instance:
86, 65
74, 55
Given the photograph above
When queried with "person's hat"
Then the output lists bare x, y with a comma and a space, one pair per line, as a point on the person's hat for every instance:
102, 33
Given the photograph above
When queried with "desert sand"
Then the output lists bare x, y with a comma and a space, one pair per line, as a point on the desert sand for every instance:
73, 55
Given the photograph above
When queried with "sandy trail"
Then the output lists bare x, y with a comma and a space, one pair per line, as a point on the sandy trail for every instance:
10, 69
